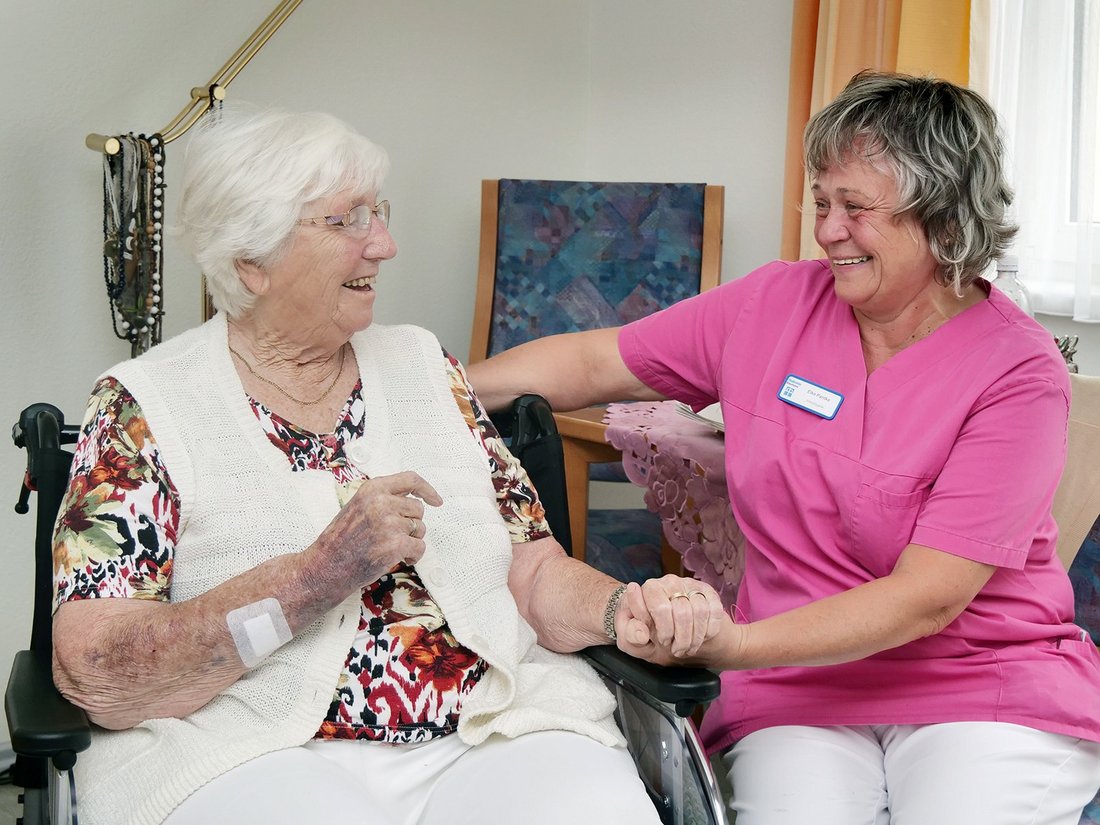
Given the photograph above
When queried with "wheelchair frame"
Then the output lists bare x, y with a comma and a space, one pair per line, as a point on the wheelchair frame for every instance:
47, 731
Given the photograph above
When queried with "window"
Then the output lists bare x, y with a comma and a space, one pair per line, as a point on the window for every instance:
1044, 80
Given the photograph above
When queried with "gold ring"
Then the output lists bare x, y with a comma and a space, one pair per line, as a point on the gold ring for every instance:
679, 596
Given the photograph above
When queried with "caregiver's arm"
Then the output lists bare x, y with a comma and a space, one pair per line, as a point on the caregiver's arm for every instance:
570, 371
925, 592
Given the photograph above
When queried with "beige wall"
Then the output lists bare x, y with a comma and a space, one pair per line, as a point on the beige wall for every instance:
456, 91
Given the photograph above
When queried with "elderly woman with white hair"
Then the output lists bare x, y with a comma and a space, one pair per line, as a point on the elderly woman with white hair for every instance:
299, 576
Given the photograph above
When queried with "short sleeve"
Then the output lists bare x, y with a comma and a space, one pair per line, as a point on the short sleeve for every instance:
678, 351
516, 497
116, 530
994, 494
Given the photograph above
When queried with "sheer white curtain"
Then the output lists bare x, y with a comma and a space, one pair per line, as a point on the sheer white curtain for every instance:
1042, 75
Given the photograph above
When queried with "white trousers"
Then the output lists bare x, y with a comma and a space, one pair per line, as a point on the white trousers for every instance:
960, 773
547, 778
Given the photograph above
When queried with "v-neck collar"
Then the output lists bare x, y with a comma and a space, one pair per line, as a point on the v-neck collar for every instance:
908, 367
904, 371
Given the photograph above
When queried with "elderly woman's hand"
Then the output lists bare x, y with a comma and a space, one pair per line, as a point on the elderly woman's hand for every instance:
667, 620
380, 526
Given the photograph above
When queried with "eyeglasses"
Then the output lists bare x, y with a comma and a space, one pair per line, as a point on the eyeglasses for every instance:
358, 217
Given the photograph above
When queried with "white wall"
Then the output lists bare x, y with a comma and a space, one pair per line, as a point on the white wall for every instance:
697, 94
612, 89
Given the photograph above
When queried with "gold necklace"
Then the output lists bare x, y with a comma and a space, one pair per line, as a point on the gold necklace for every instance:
318, 400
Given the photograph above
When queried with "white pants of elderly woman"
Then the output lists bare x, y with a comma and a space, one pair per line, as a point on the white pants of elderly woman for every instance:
959, 773
546, 778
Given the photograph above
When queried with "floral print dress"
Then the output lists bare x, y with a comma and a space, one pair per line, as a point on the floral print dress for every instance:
405, 675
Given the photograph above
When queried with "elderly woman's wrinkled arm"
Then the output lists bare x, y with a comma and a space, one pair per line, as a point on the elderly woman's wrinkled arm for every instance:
128, 660
571, 371
564, 600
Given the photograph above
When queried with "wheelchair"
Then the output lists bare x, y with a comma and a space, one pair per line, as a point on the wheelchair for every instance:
47, 732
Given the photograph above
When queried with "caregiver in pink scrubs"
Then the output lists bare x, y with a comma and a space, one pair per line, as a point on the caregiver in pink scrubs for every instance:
903, 648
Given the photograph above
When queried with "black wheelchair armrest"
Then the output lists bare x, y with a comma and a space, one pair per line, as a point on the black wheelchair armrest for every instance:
684, 688
42, 722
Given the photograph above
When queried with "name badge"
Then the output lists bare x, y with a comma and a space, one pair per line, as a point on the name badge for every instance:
811, 397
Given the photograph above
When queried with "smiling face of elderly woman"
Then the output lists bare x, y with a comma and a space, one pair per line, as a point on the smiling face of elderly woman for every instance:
321, 290
250, 178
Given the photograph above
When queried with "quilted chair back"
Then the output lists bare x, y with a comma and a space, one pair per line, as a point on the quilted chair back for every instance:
573, 256
570, 256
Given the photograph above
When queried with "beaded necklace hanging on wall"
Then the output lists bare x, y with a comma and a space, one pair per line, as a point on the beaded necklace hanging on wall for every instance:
133, 256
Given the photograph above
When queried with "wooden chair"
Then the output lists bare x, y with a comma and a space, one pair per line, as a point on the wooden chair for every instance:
564, 256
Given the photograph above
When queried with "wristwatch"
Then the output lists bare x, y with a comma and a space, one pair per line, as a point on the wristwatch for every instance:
610, 611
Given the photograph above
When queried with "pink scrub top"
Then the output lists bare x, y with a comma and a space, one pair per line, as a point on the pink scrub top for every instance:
955, 443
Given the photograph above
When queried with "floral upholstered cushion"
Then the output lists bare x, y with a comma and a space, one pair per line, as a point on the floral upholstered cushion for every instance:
1084, 573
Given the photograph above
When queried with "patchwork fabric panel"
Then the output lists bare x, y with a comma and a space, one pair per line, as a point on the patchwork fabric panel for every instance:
1084, 573
575, 256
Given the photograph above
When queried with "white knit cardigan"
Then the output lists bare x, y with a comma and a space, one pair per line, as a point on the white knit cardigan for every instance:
241, 504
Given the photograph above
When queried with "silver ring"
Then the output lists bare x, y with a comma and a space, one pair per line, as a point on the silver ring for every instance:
412, 527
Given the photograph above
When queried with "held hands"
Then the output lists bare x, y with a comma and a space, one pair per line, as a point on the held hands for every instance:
380, 526
668, 620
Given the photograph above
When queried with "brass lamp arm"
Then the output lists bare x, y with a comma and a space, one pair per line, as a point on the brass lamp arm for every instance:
203, 97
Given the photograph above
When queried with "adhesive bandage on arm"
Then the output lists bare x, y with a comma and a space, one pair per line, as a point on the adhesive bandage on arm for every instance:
258, 630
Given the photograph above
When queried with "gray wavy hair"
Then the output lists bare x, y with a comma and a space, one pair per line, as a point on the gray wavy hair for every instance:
942, 145
247, 175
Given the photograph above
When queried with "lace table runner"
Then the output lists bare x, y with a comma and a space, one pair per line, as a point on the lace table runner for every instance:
681, 464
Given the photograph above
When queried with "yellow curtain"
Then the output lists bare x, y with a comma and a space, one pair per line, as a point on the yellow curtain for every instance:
935, 39
831, 40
